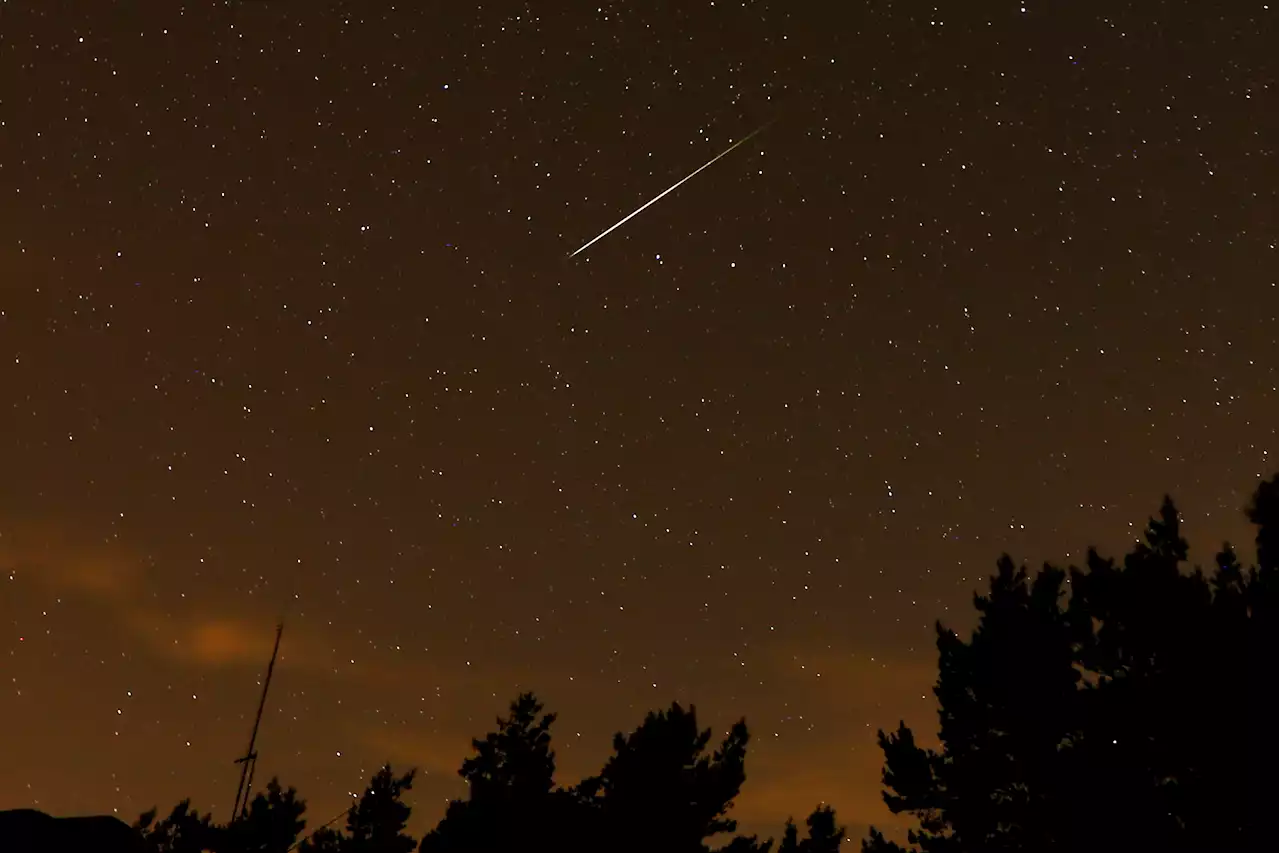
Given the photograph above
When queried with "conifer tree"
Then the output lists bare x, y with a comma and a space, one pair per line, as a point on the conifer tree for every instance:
1084, 722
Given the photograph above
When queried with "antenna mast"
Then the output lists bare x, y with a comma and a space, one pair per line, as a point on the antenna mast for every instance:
250, 759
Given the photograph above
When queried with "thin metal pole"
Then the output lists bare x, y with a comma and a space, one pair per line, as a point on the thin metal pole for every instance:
250, 759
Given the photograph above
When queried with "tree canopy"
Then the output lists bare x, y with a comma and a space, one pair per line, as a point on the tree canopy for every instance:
661, 789
1126, 705
375, 824
1116, 707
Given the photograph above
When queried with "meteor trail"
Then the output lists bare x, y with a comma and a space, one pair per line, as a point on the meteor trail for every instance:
633, 213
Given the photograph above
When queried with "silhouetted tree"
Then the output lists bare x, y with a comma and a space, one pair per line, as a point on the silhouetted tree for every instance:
324, 840
510, 780
271, 825
824, 835
1098, 725
660, 791
747, 844
375, 824
516, 762
185, 830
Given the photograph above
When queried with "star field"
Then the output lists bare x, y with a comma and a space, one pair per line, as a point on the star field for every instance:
288, 329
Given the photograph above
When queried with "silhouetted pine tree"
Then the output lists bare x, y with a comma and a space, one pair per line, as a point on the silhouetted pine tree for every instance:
511, 800
1093, 726
660, 791
272, 824
824, 835
183, 831
375, 824
326, 839
747, 844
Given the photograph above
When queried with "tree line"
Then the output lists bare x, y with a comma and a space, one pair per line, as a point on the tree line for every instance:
1120, 706
666, 787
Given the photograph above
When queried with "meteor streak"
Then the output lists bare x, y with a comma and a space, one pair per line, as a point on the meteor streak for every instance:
639, 209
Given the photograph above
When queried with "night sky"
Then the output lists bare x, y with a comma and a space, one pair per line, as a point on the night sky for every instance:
288, 326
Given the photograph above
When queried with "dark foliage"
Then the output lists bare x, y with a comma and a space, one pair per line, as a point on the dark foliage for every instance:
511, 788
1124, 706
375, 824
1101, 722
183, 831
660, 789
824, 835
271, 825
664, 788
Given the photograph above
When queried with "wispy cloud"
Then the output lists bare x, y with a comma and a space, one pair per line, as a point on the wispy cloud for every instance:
50, 555
109, 576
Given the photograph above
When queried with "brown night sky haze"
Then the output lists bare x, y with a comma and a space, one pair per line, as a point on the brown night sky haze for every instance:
287, 327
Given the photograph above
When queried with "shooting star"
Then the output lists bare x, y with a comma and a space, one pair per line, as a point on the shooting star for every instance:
671, 188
